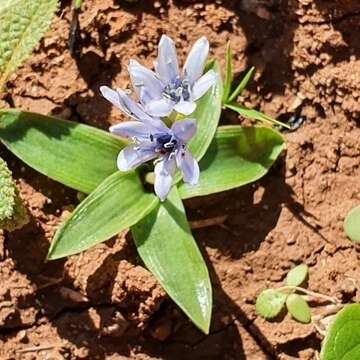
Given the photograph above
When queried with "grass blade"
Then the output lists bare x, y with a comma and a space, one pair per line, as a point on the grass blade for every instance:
242, 85
255, 115
228, 74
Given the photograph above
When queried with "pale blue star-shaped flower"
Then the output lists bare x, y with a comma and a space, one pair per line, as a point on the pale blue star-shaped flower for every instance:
152, 139
167, 89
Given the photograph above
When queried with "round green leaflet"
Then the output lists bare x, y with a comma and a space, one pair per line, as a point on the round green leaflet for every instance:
269, 303
297, 275
298, 308
352, 224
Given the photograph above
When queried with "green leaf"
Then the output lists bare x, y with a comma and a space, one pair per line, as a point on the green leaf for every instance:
269, 303
13, 214
297, 275
116, 204
5, 5
254, 114
352, 224
242, 85
228, 73
342, 341
237, 156
76, 155
298, 308
207, 115
22, 24
166, 246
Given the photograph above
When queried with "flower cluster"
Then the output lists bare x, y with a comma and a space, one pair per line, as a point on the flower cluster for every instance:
161, 94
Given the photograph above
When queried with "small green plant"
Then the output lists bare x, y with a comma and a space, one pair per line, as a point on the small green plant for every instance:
271, 302
352, 224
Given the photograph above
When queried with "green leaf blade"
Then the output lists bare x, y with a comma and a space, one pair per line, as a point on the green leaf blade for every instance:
255, 115
237, 156
76, 155
21, 27
269, 303
352, 224
342, 340
298, 308
169, 251
242, 85
228, 73
116, 204
207, 115
297, 275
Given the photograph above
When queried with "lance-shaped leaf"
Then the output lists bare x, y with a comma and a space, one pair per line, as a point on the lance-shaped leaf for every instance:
116, 204
242, 85
166, 246
237, 156
254, 115
207, 115
76, 155
342, 341
22, 24
228, 73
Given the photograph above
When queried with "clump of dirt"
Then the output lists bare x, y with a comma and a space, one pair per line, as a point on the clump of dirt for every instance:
307, 57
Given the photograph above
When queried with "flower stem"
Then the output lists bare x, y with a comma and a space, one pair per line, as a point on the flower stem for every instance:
311, 293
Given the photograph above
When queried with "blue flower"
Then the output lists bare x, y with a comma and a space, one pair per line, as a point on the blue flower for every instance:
167, 89
153, 140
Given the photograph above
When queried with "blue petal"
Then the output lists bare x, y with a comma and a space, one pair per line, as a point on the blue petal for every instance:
196, 60
134, 155
184, 129
123, 101
166, 65
141, 77
161, 107
203, 84
189, 167
185, 107
164, 172
132, 129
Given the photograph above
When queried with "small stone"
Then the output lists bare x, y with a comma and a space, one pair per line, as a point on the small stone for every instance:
162, 331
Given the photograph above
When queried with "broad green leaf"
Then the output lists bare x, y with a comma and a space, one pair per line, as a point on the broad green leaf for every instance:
352, 224
76, 155
22, 24
297, 275
342, 341
269, 303
298, 308
228, 74
166, 246
254, 114
207, 115
237, 156
116, 204
242, 85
